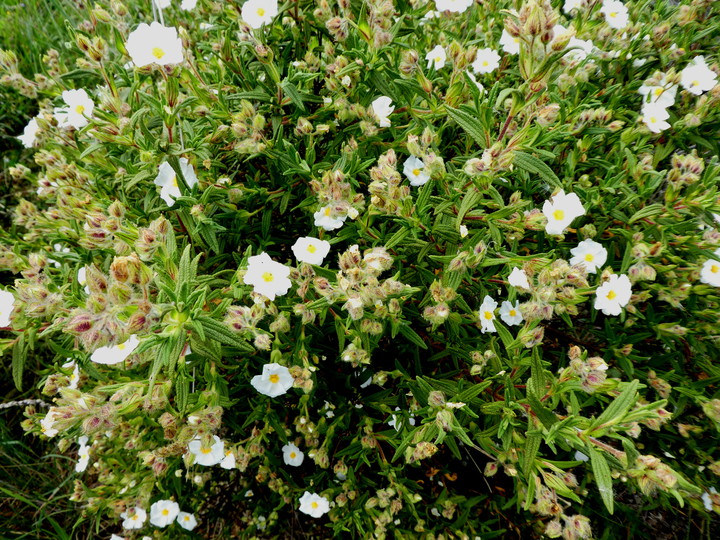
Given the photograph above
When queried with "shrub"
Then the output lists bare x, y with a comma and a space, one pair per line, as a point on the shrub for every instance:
328, 268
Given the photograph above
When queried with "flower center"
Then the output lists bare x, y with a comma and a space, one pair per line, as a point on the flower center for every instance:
715, 268
165, 512
135, 517
327, 211
416, 172
186, 518
260, 12
611, 295
268, 277
205, 449
512, 313
488, 315
653, 120
158, 53
589, 257
173, 181
292, 455
485, 63
696, 83
613, 14
314, 505
438, 59
80, 109
121, 347
311, 248
274, 378
559, 215
659, 91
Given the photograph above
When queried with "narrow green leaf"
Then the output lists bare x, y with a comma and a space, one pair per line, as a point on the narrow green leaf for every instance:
537, 374
617, 409
18, 361
603, 478
411, 335
534, 165
469, 123
532, 446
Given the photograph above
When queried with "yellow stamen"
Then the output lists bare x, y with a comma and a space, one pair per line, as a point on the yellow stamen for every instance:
485, 63
488, 315
268, 277
559, 215
80, 109
165, 512
314, 504
327, 211
715, 268
589, 257
260, 12
416, 172
173, 181
311, 248
205, 450
121, 347
611, 295
696, 83
158, 53
274, 378
292, 455
659, 91
512, 313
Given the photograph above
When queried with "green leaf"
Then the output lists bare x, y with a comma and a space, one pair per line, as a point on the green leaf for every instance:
537, 374
18, 361
291, 91
617, 409
603, 478
532, 446
546, 416
534, 165
217, 331
411, 335
469, 123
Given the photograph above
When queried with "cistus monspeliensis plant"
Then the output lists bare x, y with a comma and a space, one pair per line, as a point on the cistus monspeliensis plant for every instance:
373, 269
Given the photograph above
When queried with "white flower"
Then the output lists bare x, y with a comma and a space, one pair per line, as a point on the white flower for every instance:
79, 107
463, 231
663, 94
414, 169
29, 136
579, 456
207, 455
511, 314
7, 304
382, 108
115, 354
470, 75
561, 211
83, 454
292, 455
168, 181
510, 45
654, 116
134, 520
710, 272
518, 278
436, 58
82, 279
116, 537
584, 47
46, 424
187, 5
313, 504
311, 250
455, 6
589, 254
274, 381
186, 520
487, 315
486, 61
569, 5
75, 376
267, 277
259, 12
162, 4
613, 295
154, 44
163, 513
228, 461
616, 14
697, 77
325, 219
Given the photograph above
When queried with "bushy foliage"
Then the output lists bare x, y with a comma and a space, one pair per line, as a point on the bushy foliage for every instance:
372, 268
